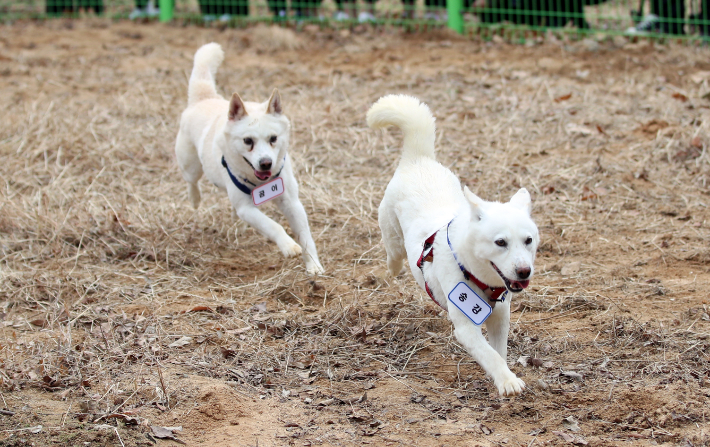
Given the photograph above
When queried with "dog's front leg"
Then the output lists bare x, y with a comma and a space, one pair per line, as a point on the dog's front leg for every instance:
298, 219
498, 326
470, 336
262, 223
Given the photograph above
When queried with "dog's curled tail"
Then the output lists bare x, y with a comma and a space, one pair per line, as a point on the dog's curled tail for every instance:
207, 60
410, 115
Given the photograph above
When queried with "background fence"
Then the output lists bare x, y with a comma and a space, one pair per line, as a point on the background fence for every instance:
677, 18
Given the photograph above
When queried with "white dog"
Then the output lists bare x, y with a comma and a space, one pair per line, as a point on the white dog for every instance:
242, 147
483, 249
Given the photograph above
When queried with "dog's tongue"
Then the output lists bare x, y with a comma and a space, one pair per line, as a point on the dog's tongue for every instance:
520, 284
262, 175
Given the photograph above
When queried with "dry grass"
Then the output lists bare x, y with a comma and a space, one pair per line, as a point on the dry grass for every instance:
118, 298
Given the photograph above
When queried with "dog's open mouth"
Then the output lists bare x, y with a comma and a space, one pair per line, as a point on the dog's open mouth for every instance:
513, 286
262, 175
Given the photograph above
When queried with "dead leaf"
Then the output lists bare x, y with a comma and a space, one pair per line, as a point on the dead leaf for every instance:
680, 97
303, 364
276, 331
571, 268
578, 440
259, 307
572, 375
700, 76
224, 310
588, 194
563, 97
164, 433
228, 352
182, 341
361, 332
652, 127
697, 143
355, 399
524, 360
128, 420
238, 331
201, 309
576, 128
600, 130
40, 322
571, 424
359, 417
565, 436
687, 154
549, 189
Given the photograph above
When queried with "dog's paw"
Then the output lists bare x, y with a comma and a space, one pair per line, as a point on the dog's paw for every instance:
314, 268
290, 248
510, 386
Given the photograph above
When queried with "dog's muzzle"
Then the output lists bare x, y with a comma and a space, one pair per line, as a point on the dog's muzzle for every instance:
261, 175
513, 286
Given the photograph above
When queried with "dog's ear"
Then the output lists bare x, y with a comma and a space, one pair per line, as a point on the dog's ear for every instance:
236, 108
521, 199
275, 106
475, 202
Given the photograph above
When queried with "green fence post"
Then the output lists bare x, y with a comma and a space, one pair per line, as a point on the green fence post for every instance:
454, 9
166, 10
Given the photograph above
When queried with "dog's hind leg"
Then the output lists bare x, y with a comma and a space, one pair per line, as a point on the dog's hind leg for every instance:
392, 238
190, 165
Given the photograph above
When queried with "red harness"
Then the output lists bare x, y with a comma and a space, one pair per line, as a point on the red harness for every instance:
493, 293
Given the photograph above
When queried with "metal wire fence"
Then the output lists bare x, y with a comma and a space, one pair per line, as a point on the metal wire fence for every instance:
654, 18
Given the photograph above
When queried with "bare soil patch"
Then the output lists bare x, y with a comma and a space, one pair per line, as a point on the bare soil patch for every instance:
123, 308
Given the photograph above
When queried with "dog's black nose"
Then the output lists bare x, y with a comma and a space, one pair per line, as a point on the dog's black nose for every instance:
523, 272
265, 164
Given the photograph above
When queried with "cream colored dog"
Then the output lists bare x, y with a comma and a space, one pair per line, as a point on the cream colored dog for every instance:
483, 249
242, 148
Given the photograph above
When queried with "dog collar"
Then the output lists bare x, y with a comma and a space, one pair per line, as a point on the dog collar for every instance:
241, 186
493, 293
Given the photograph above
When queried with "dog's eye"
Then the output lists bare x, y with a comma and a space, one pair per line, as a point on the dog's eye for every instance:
501, 243
249, 142
272, 139
528, 241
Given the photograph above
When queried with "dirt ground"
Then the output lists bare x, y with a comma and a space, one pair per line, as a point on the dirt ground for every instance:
124, 310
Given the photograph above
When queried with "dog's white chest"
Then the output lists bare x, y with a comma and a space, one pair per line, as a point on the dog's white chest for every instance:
467, 301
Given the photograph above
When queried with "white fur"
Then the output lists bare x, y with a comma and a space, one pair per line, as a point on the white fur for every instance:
422, 197
212, 127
